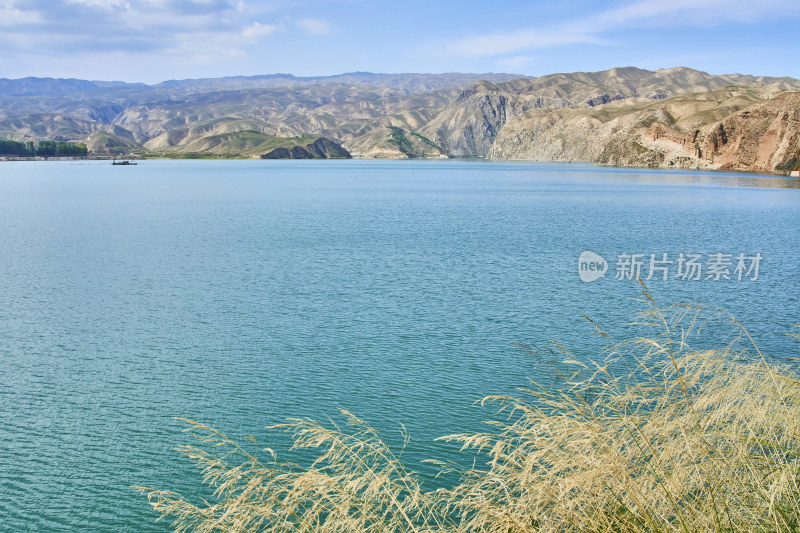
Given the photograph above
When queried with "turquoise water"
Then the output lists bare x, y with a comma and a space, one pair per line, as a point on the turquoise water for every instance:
239, 293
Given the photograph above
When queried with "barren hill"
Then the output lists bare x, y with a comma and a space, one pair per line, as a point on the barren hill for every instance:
623, 116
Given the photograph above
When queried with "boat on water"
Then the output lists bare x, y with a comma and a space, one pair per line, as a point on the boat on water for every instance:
124, 162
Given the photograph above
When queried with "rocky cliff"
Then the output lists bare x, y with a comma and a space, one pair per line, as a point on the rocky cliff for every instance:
734, 128
763, 137
471, 125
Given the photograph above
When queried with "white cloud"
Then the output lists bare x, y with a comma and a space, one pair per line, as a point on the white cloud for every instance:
497, 44
647, 13
516, 62
105, 5
10, 15
315, 26
257, 30
137, 26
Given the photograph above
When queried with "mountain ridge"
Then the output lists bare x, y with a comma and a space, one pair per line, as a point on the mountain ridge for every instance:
372, 115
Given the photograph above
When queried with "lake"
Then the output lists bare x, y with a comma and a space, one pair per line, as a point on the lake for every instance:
238, 293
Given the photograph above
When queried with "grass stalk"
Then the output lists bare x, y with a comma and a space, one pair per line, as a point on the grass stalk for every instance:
664, 433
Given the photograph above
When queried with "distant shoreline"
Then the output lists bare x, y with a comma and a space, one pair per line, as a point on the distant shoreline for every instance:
211, 157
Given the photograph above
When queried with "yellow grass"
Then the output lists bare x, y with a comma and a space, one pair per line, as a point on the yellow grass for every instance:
656, 436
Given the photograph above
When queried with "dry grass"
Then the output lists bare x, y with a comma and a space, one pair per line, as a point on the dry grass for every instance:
659, 436
356, 484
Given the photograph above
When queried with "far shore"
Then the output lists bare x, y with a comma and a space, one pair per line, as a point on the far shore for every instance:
230, 157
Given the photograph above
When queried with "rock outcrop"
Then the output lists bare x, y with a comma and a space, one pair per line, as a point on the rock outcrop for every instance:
321, 148
751, 129
764, 137
392, 142
470, 125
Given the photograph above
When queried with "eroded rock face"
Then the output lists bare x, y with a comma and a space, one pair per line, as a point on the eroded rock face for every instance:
469, 127
729, 129
764, 137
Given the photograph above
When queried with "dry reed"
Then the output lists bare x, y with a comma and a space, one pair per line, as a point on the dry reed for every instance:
659, 436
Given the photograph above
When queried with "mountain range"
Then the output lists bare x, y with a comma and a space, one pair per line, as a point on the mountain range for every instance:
677, 117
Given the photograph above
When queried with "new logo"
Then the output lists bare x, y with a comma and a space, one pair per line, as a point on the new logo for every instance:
591, 266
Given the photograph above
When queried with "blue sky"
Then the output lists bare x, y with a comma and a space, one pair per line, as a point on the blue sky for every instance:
155, 40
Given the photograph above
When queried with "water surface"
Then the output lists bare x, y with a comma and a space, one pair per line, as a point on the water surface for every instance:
241, 292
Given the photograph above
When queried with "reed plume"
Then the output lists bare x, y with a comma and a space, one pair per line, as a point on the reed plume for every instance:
663, 433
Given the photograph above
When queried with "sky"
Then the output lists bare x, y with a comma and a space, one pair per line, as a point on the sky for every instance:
155, 40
